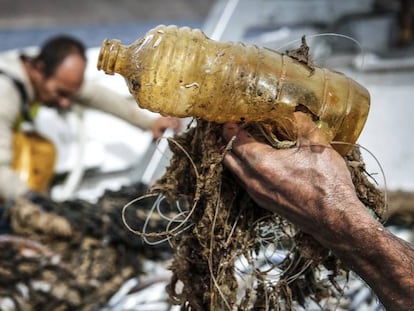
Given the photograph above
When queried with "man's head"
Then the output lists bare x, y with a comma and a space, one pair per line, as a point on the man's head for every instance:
57, 72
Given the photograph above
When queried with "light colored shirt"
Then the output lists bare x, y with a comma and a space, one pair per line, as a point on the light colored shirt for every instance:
91, 95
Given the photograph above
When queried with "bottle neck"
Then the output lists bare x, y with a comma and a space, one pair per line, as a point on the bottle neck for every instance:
108, 56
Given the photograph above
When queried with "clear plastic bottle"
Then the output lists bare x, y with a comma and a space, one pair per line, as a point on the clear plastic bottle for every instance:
180, 72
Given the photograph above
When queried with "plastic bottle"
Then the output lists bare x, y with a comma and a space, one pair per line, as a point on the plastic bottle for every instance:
180, 72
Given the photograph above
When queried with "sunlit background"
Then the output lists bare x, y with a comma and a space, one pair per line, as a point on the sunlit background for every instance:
97, 156
369, 40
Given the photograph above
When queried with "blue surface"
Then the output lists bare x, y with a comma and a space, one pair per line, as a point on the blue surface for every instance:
90, 35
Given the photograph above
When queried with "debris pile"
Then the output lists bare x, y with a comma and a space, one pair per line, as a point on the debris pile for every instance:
236, 254
72, 255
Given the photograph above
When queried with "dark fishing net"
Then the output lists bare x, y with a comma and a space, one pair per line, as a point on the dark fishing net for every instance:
73, 255
236, 255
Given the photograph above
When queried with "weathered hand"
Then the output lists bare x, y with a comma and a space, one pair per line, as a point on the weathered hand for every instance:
309, 185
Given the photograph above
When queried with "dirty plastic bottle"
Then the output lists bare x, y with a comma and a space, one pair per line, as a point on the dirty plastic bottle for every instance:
181, 72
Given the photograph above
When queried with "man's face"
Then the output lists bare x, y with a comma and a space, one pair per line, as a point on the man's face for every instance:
59, 89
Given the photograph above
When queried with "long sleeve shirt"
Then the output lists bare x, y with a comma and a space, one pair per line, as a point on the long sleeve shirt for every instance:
90, 95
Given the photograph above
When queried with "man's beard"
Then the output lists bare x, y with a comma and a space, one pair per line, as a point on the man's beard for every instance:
62, 110
54, 105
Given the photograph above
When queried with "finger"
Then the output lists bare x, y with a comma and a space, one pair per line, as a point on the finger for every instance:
229, 131
171, 121
309, 133
248, 178
232, 130
236, 166
176, 124
249, 151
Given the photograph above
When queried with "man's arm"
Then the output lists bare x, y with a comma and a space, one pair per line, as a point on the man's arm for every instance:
312, 187
104, 99
11, 186
384, 261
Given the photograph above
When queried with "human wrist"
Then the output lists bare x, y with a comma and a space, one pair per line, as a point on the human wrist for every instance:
370, 250
347, 224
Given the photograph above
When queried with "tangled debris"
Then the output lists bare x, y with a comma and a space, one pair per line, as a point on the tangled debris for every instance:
232, 254
236, 255
72, 255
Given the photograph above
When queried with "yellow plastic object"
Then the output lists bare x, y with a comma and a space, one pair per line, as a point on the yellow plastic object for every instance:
181, 72
34, 158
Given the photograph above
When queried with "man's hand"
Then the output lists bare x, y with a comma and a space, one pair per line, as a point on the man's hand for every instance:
301, 184
311, 186
159, 126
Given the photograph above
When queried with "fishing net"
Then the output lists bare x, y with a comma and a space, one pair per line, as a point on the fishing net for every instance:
234, 254
72, 255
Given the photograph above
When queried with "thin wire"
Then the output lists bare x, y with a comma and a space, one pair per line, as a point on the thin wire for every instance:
299, 273
376, 160
182, 230
168, 238
328, 34
162, 215
177, 203
158, 154
124, 208
210, 257
167, 233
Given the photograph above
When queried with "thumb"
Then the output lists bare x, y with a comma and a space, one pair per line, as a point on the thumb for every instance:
310, 132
